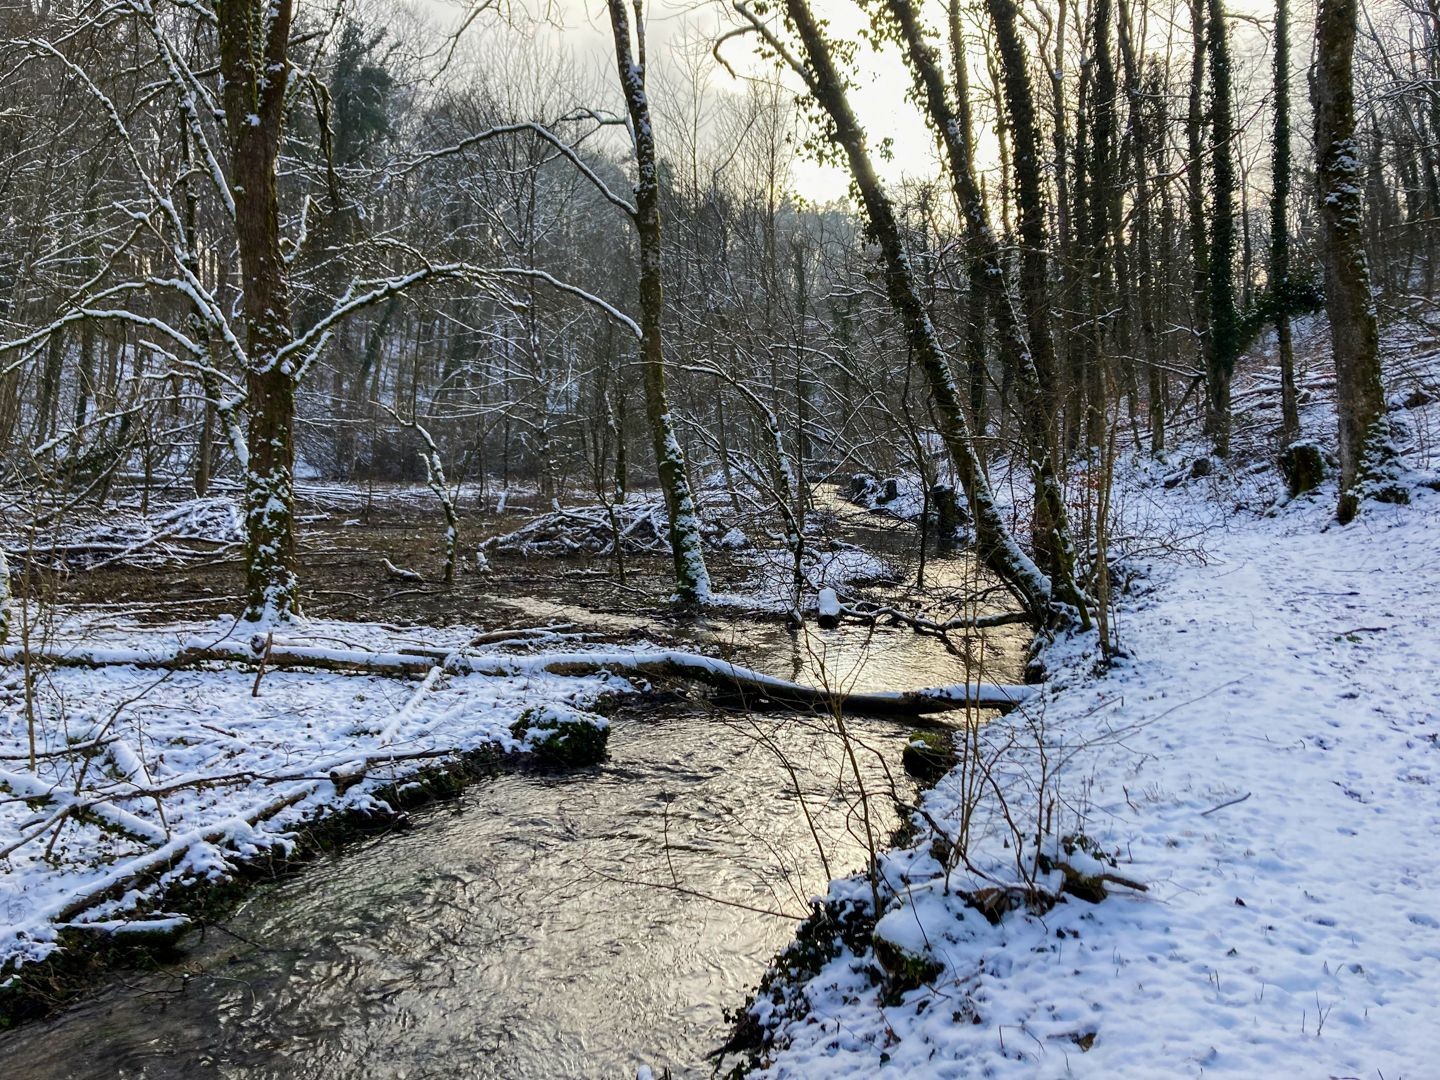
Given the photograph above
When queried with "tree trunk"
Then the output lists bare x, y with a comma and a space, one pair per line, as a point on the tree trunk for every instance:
1195, 185
1367, 456
996, 546
1143, 134
1027, 358
46, 411
253, 37
692, 579
1101, 189
1280, 228
1222, 344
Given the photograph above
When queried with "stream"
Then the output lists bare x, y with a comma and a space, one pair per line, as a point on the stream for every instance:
541, 925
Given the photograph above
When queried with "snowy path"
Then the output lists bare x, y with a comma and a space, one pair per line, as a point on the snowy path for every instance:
1319, 656
1296, 931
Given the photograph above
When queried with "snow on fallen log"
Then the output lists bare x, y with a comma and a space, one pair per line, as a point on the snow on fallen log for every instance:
732, 678
121, 876
104, 814
192, 529
198, 653
875, 613
401, 573
671, 663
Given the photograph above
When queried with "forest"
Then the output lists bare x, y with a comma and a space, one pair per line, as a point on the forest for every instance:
653, 540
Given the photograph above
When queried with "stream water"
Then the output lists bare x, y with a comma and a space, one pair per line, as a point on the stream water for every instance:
540, 925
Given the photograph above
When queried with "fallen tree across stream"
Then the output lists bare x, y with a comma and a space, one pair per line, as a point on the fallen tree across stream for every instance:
748, 687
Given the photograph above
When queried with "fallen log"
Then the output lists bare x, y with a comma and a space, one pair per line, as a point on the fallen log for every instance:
195, 654
156, 861
870, 614
754, 687
103, 814
751, 687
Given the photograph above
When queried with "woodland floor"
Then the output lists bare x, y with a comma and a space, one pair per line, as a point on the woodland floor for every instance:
1265, 756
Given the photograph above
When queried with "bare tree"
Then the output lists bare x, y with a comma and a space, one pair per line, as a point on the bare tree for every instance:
828, 87
692, 580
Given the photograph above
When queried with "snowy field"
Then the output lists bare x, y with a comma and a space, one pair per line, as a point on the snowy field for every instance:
1265, 760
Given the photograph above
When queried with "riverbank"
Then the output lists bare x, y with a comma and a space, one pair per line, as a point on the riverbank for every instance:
1264, 758
170, 775
144, 788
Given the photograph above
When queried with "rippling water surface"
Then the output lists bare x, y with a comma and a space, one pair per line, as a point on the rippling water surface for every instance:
523, 930
575, 925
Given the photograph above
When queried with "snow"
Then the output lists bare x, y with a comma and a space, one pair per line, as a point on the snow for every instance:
1265, 759
828, 604
179, 532
327, 741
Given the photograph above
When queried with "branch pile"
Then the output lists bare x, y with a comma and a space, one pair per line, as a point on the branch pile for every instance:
180, 533
641, 526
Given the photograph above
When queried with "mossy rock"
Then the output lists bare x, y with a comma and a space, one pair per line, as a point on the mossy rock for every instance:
1303, 464
928, 755
561, 737
907, 831
904, 970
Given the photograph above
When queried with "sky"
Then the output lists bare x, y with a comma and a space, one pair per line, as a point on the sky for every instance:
581, 29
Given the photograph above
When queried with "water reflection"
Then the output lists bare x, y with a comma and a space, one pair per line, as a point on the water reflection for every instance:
548, 926
523, 931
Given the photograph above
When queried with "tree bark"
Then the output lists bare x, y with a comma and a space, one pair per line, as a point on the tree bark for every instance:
692, 579
1143, 135
1222, 343
254, 39
1367, 456
1280, 228
1195, 186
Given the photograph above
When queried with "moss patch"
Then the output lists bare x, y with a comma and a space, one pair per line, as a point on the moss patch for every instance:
928, 755
904, 970
1303, 464
563, 737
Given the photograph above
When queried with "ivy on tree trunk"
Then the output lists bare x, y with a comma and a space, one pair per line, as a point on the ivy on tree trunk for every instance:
1367, 456
254, 37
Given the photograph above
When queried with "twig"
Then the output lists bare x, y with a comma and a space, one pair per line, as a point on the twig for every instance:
1222, 806
264, 659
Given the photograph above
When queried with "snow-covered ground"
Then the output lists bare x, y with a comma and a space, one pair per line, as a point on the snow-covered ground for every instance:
186, 771
1265, 758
